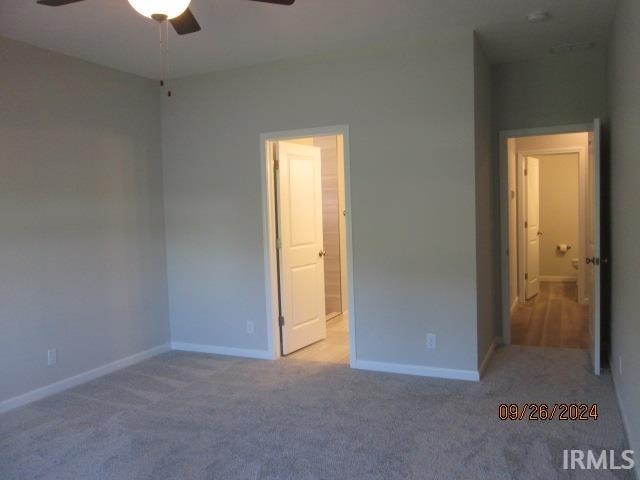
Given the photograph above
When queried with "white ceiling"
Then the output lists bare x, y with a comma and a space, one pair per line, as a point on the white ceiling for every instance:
240, 32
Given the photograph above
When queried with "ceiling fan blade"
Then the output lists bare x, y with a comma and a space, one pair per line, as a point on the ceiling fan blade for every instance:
57, 3
185, 23
277, 2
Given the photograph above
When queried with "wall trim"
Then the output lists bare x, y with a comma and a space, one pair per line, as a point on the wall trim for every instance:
65, 384
487, 358
558, 278
419, 370
218, 350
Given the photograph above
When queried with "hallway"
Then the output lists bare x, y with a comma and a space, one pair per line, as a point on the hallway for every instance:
552, 319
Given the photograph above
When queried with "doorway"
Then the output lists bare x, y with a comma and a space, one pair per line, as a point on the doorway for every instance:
551, 228
308, 244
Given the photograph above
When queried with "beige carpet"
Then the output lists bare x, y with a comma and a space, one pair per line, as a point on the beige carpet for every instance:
192, 416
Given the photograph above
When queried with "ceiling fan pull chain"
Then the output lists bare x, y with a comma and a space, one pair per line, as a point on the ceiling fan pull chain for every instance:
166, 56
164, 53
160, 38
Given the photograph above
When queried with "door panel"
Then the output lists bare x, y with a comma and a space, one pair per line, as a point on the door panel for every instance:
533, 226
301, 258
593, 247
304, 283
301, 201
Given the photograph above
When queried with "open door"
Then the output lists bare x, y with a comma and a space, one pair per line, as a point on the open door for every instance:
301, 254
593, 246
532, 226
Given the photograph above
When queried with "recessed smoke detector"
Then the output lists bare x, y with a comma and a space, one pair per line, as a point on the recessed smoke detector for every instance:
538, 17
572, 47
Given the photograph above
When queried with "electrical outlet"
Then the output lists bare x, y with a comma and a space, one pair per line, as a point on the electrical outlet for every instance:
52, 356
250, 328
431, 341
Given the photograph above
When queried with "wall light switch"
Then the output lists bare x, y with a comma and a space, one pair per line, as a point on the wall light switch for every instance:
431, 340
250, 328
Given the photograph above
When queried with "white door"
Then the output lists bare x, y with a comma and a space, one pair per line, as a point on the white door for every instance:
593, 245
301, 254
532, 227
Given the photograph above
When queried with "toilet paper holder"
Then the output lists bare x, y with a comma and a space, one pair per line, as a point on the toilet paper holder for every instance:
560, 249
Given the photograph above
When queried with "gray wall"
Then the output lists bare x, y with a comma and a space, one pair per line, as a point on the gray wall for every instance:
487, 210
81, 237
625, 195
411, 117
557, 89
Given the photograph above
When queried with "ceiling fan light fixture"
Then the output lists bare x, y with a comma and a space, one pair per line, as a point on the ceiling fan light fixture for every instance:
165, 9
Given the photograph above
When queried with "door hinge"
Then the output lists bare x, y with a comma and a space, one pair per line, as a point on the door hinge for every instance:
276, 164
526, 172
281, 321
278, 243
526, 224
526, 276
593, 260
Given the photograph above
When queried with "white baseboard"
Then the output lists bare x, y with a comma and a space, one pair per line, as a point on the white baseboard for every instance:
231, 351
420, 370
485, 361
59, 386
558, 278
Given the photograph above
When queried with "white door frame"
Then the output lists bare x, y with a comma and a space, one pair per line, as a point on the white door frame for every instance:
582, 209
269, 231
504, 207
342, 211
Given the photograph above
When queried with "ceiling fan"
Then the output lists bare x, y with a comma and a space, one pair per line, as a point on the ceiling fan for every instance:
177, 12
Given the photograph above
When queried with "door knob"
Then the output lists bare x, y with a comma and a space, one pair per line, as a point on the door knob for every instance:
322, 253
